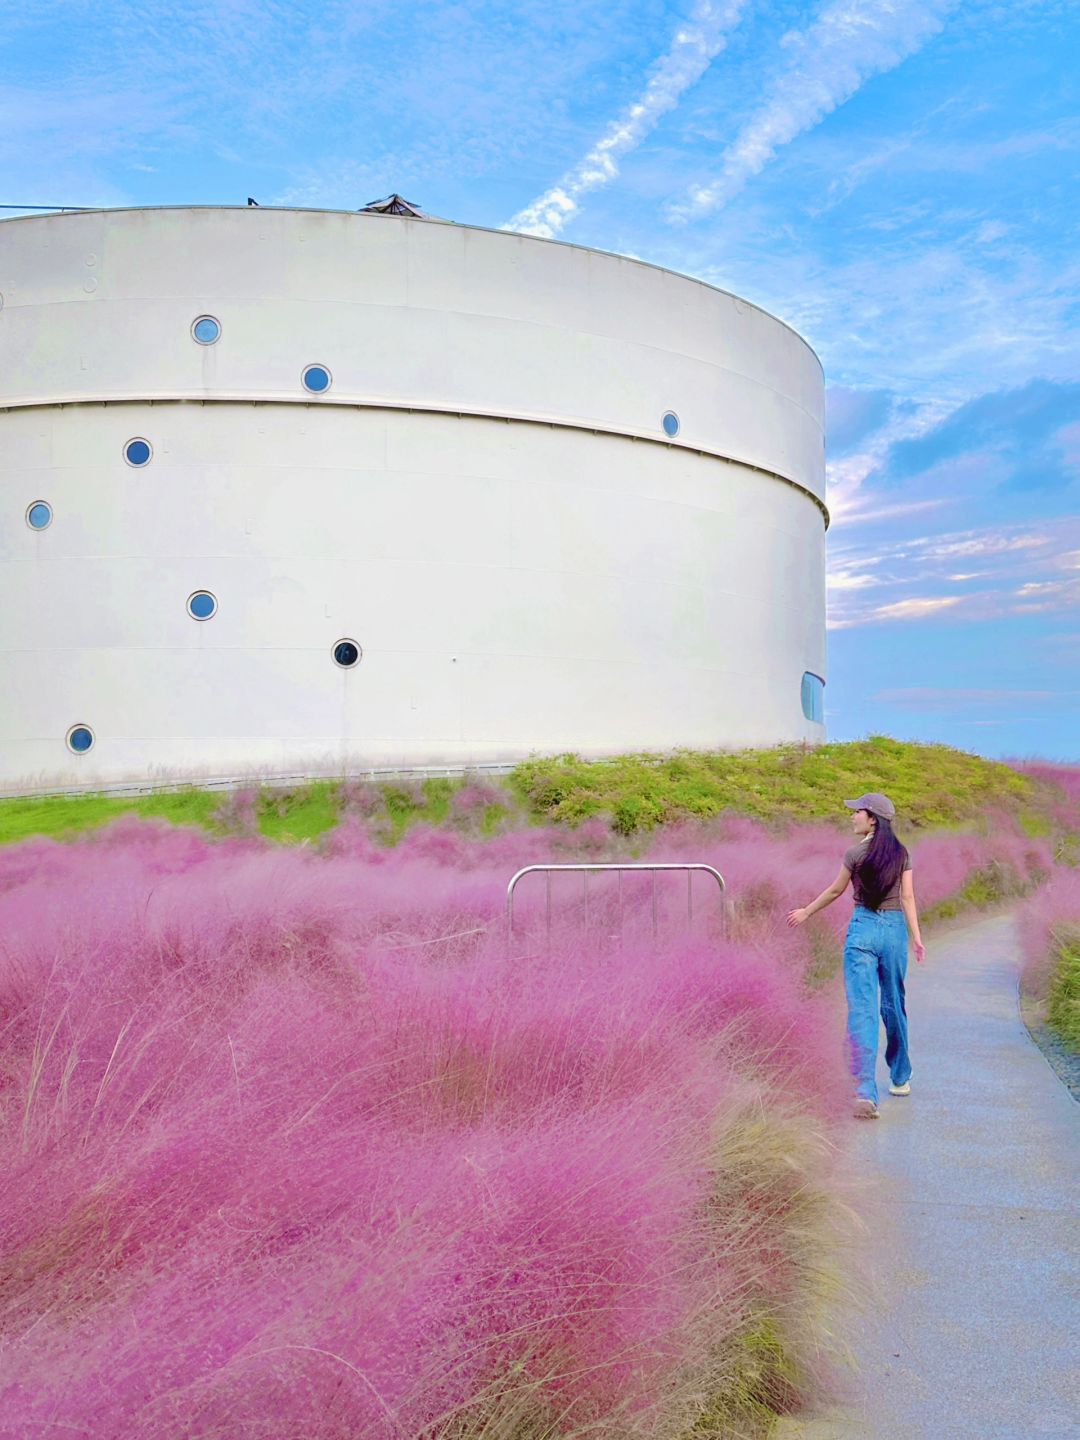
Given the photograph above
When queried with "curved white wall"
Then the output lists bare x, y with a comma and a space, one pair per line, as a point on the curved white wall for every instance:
485, 499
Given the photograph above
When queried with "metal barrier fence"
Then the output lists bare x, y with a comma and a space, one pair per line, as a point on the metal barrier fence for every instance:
586, 870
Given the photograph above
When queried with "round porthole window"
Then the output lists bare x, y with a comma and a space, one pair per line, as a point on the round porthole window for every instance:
39, 515
201, 605
137, 452
670, 423
347, 653
316, 378
80, 738
206, 330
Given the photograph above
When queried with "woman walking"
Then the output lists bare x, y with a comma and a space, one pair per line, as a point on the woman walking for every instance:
875, 950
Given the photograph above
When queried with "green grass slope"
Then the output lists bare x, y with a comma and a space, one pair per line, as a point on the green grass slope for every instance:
61, 815
1063, 999
286, 814
931, 785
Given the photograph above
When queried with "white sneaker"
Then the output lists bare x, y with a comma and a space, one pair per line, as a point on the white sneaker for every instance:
904, 1089
865, 1109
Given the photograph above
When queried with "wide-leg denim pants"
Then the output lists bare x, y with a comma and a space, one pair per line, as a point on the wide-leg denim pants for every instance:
875, 963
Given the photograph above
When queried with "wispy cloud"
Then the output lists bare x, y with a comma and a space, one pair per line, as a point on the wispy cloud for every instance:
1027, 435
850, 41
851, 580
980, 545
917, 608
923, 150
982, 451
868, 511
944, 697
847, 473
1022, 571
312, 102
696, 43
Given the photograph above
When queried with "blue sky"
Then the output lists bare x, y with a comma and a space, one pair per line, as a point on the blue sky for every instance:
896, 178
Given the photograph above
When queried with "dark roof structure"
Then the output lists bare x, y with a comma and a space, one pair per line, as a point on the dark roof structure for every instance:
393, 205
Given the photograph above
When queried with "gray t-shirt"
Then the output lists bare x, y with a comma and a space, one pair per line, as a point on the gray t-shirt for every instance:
852, 858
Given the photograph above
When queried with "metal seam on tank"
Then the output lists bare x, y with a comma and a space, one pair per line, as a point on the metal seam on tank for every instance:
650, 345
413, 408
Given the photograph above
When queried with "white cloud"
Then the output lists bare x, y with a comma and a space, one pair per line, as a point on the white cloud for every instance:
986, 544
989, 231
1025, 573
693, 48
850, 41
867, 510
917, 608
850, 580
846, 475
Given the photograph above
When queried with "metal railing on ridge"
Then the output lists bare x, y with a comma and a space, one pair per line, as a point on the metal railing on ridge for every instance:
585, 869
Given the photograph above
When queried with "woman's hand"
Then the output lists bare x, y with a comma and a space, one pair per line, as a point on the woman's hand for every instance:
796, 917
920, 951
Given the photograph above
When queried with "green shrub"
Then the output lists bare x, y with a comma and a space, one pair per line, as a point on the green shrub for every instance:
991, 884
826, 954
761, 1384
931, 785
1063, 1000
297, 813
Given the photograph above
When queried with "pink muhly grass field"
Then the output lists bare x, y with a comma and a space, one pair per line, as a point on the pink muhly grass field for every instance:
1065, 780
1065, 777
1049, 920
297, 1144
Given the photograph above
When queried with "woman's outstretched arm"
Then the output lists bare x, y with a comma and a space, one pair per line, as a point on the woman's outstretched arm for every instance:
911, 915
835, 890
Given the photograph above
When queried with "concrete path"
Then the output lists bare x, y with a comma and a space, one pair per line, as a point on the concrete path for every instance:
974, 1330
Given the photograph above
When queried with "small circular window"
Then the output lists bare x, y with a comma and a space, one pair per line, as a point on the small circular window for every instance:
137, 452
39, 515
206, 330
201, 605
316, 378
670, 423
347, 653
80, 738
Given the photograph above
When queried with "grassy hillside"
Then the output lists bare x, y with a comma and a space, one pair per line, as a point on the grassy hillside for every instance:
932, 786
64, 815
290, 814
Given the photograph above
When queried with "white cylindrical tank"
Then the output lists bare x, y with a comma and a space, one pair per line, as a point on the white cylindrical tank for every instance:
542, 498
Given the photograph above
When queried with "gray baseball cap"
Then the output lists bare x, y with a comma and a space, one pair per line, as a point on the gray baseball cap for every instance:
875, 802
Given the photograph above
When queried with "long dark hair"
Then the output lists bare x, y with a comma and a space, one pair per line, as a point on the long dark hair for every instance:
880, 868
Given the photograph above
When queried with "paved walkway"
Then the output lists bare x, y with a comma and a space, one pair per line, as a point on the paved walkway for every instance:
974, 1331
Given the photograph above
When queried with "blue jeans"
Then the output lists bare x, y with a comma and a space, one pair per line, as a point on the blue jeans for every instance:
875, 955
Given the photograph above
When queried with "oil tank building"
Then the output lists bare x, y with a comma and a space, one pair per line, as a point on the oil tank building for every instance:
292, 490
